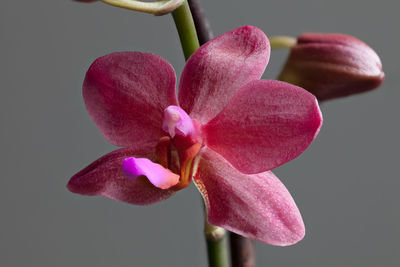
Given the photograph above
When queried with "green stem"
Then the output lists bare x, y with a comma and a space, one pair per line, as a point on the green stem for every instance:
217, 253
217, 244
186, 29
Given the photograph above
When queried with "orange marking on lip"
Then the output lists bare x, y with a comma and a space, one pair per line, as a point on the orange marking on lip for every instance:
186, 166
163, 151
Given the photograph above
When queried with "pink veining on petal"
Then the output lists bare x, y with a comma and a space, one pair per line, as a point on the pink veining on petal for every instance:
266, 124
157, 174
105, 177
341, 49
126, 94
177, 121
214, 73
255, 206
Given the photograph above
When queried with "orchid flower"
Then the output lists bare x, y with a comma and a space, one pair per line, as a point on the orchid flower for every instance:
225, 131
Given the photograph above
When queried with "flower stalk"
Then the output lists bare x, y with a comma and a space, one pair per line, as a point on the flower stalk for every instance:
186, 29
203, 28
242, 251
216, 245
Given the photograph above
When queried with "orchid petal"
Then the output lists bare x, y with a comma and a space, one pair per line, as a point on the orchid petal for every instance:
214, 73
265, 125
256, 206
157, 174
126, 94
105, 177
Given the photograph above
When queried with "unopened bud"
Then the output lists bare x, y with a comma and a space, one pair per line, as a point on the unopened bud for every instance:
332, 65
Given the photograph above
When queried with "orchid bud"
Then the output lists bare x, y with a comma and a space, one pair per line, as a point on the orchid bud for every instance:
332, 65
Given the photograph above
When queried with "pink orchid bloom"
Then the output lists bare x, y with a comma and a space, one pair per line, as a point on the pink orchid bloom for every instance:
228, 131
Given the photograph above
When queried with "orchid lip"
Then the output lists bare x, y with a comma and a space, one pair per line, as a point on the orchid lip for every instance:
158, 175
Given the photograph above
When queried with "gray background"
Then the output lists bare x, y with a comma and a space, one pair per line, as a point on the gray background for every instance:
346, 184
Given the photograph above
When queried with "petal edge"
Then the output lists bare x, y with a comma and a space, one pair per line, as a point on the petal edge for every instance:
214, 73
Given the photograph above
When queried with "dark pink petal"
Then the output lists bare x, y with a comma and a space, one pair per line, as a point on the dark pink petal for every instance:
257, 206
219, 68
266, 124
105, 177
126, 94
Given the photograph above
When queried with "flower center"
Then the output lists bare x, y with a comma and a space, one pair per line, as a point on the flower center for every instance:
177, 121
185, 137
174, 153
